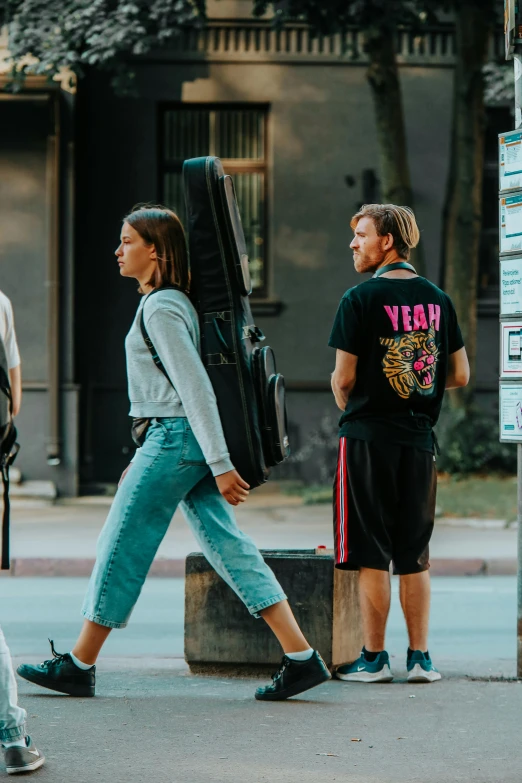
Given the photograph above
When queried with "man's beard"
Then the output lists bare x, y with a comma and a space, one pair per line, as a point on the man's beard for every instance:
364, 264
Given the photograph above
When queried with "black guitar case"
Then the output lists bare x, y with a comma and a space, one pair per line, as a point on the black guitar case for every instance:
250, 392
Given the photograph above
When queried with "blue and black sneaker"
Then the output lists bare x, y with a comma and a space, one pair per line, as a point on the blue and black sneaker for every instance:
420, 668
363, 670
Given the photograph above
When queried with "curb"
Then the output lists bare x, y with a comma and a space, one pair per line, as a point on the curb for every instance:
506, 566
75, 566
175, 568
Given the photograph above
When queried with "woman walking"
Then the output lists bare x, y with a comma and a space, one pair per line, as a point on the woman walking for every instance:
183, 461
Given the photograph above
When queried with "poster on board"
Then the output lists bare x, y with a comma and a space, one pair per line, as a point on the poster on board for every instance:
511, 349
511, 412
510, 286
510, 160
511, 223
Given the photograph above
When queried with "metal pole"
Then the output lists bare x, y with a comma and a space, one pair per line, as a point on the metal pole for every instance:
517, 62
519, 585
53, 285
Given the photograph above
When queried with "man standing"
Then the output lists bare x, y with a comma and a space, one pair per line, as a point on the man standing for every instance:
19, 752
399, 347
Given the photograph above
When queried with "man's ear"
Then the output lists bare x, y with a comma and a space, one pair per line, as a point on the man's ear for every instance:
387, 242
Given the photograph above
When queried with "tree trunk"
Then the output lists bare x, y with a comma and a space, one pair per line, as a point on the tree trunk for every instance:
463, 210
383, 77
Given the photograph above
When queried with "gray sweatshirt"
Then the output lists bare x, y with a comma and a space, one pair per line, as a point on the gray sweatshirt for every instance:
172, 324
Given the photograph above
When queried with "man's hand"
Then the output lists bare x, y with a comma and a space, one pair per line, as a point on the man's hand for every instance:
232, 487
124, 474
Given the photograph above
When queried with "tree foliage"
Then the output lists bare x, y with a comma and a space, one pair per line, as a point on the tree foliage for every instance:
45, 36
337, 15
462, 227
380, 21
499, 83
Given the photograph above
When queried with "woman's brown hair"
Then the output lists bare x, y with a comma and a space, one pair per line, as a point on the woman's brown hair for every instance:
161, 227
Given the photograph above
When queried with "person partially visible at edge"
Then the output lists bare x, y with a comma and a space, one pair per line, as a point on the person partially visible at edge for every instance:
20, 754
399, 347
183, 461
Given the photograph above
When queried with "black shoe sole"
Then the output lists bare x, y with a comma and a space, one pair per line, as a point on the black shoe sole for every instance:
70, 689
294, 690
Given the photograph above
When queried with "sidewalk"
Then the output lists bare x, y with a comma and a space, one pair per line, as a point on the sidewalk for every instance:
153, 721
60, 539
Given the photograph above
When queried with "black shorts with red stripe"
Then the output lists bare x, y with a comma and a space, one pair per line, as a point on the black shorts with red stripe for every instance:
384, 506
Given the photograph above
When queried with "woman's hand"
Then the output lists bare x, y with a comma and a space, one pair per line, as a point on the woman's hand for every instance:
232, 487
124, 474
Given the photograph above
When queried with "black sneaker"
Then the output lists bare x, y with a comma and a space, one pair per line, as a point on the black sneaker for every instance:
26, 759
294, 677
60, 674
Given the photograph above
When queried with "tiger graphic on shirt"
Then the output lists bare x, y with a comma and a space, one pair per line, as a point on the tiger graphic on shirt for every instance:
410, 363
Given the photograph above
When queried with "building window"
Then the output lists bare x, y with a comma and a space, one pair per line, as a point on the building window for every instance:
237, 135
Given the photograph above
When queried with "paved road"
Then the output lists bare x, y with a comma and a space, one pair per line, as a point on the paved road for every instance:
166, 726
472, 630
152, 720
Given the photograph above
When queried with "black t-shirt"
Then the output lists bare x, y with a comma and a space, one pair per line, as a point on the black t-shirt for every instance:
402, 330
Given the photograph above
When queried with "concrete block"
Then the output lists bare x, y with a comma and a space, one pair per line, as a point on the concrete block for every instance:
220, 634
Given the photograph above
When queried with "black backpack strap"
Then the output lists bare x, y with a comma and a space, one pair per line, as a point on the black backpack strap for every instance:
8, 451
6, 564
148, 342
7, 457
5, 387
150, 345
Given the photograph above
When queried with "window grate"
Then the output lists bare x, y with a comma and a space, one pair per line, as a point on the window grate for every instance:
237, 135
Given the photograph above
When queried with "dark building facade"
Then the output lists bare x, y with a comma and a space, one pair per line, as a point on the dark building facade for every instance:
292, 118
36, 272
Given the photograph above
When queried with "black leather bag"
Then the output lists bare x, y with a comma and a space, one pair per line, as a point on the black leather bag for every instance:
8, 450
250, 393
139, 429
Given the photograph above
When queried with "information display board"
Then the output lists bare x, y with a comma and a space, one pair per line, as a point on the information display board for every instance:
510, 160
511, 349
511, 223
511, 412
510, 241
510, 286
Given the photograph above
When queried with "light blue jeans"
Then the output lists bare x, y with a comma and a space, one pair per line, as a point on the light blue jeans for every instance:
170, 470
12, 717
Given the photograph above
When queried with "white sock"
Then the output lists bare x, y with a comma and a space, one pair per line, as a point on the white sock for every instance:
80, 664
304, 655
17, 743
